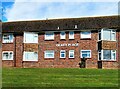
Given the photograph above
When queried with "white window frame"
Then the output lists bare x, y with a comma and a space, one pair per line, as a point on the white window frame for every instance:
101, 51
71, 51
51, 53
62, 53
7, 41
8, 54
111, 32
48, 38
85, 37
82, 53
71, 37
33, 34
25, 52
62, 36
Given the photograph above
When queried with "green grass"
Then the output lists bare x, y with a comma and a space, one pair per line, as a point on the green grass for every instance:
59, 77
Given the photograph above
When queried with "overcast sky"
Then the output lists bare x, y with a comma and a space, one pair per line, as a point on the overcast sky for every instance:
17, 10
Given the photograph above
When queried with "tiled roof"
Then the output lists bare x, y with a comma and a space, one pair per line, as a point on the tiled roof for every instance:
86, 23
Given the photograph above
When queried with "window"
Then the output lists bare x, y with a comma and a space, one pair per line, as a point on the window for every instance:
71, 53
49, 36
107, 55
62, 54
86, 53
86, 34
30, 56
62, 35
30, 37
71, 35
107, 34
7, 55
7, 38
49, 54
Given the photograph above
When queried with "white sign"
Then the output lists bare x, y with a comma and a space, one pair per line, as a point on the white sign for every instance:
76, 44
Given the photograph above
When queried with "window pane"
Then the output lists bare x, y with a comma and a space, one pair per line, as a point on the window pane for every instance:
49, 36
30, 37
85, 34
106, 34
30, 56
113, 36
62, 35
62, 55
71, 35
86, 54
107, 54
49, 54
71, 55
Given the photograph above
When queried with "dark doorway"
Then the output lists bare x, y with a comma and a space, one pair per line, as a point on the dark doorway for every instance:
83, 63
100, 64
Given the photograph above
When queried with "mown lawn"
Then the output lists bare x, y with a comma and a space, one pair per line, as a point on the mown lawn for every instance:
59, 77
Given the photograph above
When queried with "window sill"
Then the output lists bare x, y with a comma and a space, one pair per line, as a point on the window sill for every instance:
30, 60
85, 38
7, 59
7, 42
49, 40
108, 60
107, 40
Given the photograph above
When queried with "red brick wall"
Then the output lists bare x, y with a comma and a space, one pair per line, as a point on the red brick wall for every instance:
19, 50
84, 44
87, 44
8, 47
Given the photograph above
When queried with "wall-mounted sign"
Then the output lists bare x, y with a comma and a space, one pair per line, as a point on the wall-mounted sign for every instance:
75, 44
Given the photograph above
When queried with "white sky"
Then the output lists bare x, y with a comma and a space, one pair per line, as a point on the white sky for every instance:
37, 9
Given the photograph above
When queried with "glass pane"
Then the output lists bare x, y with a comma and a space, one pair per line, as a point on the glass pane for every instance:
62, 55
113, 36
71, 55
84, 55
107, 54
106, 34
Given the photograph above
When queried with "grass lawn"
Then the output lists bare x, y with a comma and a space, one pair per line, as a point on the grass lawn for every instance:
59, 77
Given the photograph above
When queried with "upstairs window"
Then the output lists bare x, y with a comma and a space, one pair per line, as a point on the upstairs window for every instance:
107, 34
86, 53
62, 35
71, 35
7, 38
85, 35
62, 54
49, 54
30, 56
107, 55
49, 36
7, 55
30, 37
71, 53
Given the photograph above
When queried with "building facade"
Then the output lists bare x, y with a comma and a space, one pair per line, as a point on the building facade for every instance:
92, 42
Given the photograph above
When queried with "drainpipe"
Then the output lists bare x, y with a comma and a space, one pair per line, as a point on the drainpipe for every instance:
15, 50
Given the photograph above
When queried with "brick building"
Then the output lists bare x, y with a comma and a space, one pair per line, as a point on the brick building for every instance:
92, 42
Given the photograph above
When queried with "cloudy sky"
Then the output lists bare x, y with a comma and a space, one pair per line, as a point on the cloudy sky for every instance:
17, 10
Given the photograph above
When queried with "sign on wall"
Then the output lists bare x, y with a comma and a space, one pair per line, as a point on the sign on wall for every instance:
59, 45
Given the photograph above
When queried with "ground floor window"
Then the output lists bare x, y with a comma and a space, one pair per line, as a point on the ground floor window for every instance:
30, 56
62, 54
7, 55
107, 54
85, 53
49, 54
71, 53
